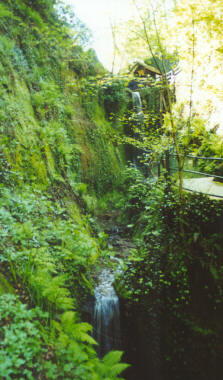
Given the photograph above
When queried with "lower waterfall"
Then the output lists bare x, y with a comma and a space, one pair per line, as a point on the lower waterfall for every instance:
106, 314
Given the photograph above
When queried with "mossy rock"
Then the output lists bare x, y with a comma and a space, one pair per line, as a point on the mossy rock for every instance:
5, 287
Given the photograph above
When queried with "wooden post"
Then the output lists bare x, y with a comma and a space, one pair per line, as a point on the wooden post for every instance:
167, 163
159, 169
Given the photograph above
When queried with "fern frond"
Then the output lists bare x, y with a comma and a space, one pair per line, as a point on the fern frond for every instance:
113, 357
78, 352
83, 337
68, 319
109, 367
84, 326
116, 369
56, 293
63, 340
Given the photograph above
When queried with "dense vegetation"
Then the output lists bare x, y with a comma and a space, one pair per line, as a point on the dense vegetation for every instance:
172, 287
67, 130
55, 158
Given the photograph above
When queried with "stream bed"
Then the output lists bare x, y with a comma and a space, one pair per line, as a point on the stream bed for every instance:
117, 325
106, 309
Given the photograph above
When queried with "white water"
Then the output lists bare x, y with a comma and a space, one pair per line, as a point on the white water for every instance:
137, 101
139, 122
137, 105
106, 314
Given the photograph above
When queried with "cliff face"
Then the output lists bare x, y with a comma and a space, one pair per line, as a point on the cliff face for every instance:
56, 152
47, 136
56, 159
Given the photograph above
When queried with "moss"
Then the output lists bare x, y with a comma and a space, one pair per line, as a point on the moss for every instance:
5, 287
40, 167
47, 134
50, 160
73, 211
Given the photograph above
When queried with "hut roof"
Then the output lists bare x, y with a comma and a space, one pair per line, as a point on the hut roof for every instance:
143, 69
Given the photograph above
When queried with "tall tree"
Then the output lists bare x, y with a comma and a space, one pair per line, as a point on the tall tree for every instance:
207, 30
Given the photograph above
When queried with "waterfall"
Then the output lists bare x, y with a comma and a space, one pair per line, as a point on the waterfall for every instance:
137, 107
137, 103
138, 118
106, 314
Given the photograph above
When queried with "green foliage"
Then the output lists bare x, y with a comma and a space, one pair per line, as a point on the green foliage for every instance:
211, 146
20, 336
133, 203
65, 350
85, 63
164, 63
110, 367
204, 143
40, 243
151, 108
54, 148
77, 359
89, 92
154, 214
43, 128
46, 8
113, 96
5, 286
170, 277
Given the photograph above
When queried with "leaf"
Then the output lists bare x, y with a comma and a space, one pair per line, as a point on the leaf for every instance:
4, 12
112, 357
88, 283
214, 272
116, 369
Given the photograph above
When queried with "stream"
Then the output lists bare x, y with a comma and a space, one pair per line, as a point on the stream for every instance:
106, 313
116, 324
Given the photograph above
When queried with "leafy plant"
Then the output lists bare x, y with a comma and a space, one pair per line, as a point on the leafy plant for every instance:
113, 96
22, 346
160, 285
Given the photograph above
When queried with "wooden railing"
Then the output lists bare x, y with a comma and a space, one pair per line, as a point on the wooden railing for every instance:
164, 167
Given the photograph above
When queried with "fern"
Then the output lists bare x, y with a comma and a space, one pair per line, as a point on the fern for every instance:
52, 289
4, 12
116, 370
112, 358
109, 367
78, 331
57, 294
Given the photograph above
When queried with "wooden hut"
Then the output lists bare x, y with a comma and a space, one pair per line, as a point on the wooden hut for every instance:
141, 69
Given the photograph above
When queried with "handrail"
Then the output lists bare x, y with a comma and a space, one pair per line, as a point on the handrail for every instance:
165, 161
199, 192
202, 173
198, 157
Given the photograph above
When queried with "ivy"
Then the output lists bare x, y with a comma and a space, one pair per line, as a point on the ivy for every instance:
170, 278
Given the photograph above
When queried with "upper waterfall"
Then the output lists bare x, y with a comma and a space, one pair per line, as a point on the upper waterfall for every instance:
137, 106
137, 102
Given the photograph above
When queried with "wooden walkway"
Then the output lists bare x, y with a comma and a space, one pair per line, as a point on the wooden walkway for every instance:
205, 186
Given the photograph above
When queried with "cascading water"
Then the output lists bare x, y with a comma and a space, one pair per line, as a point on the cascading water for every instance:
139, 120
137, 107
106, 314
